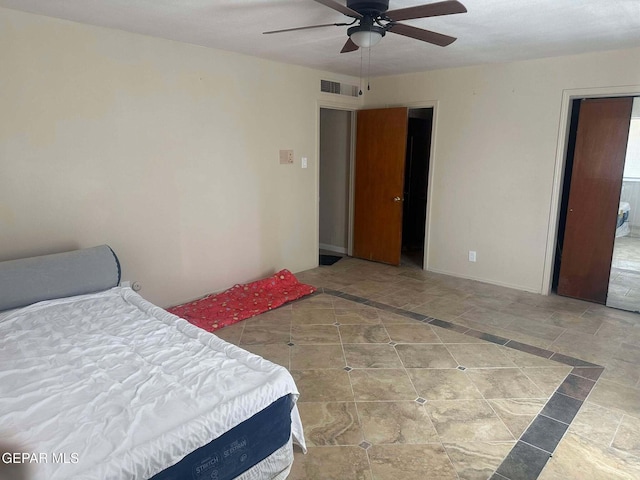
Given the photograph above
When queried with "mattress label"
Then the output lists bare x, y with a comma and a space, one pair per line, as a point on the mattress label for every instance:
224, 462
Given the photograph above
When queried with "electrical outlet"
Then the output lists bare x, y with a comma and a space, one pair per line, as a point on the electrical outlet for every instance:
304, 162
472, 255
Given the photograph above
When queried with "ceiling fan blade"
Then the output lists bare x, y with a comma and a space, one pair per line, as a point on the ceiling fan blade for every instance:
424, 35
304, 28
340, 8
447, 7
349, 47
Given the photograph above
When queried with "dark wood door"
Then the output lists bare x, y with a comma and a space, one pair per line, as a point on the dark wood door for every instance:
594, 195
379, 178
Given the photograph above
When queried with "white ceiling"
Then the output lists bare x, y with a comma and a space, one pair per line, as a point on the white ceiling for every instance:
492, 31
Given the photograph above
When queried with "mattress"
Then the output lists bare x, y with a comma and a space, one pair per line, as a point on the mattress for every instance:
238, 450
109, 386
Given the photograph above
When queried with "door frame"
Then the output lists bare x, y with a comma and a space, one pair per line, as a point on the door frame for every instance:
433, 104
568, 96
352, 109
432, 163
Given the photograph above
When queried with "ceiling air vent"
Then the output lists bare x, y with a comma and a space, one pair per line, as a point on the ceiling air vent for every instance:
338, 88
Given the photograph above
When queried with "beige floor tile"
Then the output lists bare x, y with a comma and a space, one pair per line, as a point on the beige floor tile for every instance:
396, 422
477, 460
382, 384
627, 437
410, 462
265, 335
388, 318
449, 336
402, 298
537, 313
279, 316
371, 355
523, 359
443, 384
323, 385
363, 334
584, 324
547, 379
330, 423
331, 463
357, 316
504, 383
483, 355
420, 355
443, 309
313, 334
598, 424
314, 316
535, 329
576, 458
619, 371
276, 353
340, 303
467, 421
584, 346
489, 317
317, 301
412, 333
305, 357
615, 396
486, 301
517, 413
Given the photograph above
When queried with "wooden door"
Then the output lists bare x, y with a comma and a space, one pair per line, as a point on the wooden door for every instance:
379, 177
594, 195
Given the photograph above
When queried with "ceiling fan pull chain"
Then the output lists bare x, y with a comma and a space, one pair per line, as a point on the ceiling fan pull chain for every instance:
360, 86
369, 72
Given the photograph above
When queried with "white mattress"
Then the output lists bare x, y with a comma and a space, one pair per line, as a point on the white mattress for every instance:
123, 386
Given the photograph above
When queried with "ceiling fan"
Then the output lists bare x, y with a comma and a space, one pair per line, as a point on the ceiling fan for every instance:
373, 19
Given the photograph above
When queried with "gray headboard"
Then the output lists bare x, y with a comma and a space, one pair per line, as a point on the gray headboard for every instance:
31, 280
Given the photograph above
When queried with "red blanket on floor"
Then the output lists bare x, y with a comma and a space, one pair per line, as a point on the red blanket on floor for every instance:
243, 301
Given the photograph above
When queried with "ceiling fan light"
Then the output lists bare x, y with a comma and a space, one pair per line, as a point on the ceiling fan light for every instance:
366, 37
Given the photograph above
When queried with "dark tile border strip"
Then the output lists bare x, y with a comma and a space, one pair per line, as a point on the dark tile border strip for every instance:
532, 451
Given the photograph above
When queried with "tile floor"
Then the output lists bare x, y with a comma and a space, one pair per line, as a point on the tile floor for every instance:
406, 374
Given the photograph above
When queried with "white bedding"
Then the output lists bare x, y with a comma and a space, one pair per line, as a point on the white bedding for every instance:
122, 386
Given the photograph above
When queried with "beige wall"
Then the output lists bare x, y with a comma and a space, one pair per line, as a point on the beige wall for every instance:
496, 134
335, 153
167, 152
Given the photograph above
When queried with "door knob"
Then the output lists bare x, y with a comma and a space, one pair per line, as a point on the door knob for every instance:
397, 199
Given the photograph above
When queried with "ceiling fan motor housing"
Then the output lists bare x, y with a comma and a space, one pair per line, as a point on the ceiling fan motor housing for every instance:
372, 7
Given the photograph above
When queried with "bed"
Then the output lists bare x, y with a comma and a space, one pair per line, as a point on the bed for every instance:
106, 385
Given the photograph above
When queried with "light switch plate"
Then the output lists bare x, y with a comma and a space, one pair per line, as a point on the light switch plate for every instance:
286, 157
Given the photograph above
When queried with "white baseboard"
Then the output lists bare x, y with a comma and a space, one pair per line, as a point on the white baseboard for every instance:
490, 282
333, 248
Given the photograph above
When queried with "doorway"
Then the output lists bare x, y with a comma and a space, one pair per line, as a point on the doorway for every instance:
416, 181
624, 280
338, 185
334, 183
597, 150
